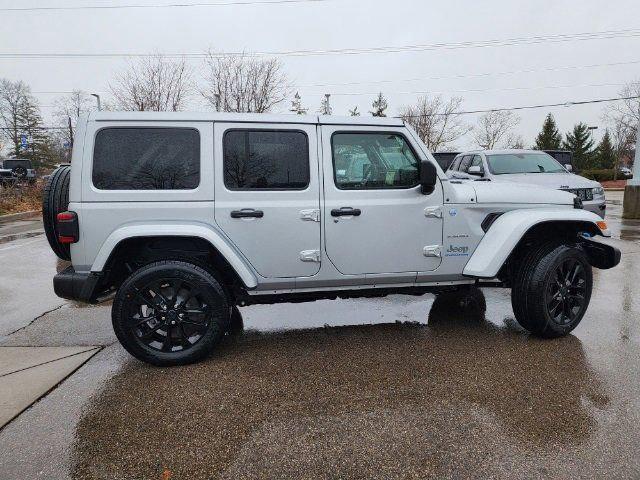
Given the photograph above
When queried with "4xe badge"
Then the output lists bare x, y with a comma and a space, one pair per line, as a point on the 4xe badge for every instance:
453, 212
457, 251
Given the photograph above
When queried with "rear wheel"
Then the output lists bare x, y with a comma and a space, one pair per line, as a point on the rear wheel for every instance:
170, 313
552, 289
55, 199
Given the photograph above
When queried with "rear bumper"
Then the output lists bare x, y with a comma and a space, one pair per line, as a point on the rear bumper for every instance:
82, 287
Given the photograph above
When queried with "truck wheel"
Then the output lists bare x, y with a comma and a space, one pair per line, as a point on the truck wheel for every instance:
170, 313
55, 199
552, 289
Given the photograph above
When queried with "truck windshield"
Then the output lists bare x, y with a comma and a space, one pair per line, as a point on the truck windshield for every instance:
504, 163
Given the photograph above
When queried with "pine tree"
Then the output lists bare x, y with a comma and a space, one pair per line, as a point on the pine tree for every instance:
379, 106
296, 105
325, 106
354, 112
549, 137
580, 142
605, 156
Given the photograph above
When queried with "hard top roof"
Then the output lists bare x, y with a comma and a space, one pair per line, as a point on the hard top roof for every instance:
243, 117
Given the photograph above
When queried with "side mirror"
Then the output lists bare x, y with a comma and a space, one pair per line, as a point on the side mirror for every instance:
568, 167
475, 170
428, 176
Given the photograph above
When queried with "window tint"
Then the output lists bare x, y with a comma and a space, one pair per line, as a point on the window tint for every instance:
266, 159
373, 161
456, 163
146, 159
464, 165
476, 162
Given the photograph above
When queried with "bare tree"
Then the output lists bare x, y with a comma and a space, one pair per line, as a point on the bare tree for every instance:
624, 118
153, 83
13, 97
67, 111
436, 121
241, 83
493, 127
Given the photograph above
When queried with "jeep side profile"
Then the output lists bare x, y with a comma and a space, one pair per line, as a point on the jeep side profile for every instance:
186, 216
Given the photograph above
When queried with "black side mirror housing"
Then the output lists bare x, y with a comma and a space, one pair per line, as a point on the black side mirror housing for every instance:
428, 176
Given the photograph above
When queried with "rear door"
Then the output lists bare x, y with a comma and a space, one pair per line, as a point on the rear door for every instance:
267, 195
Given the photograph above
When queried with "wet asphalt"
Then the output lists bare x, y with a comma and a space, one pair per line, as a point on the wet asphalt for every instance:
398, 387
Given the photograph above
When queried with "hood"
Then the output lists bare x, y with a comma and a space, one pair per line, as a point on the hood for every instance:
551, 180
508, 192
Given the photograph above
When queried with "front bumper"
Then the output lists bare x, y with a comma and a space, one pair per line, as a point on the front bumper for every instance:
72, 285
599, 207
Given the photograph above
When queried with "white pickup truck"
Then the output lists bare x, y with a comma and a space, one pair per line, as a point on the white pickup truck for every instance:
186, 216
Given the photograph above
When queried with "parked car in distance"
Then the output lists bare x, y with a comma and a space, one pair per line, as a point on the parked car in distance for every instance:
626, 171
532, 167
14, 170
186, 216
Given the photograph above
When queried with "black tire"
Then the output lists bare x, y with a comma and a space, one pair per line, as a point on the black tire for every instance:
467, 300
55, 199
175, 334
552, 288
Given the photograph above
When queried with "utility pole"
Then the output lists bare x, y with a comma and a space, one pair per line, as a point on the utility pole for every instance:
70, 132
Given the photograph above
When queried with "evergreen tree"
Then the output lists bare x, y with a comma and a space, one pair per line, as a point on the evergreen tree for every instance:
39, 145
379, 106
549, 137
580, 142
354, 112
605, 156
296, 105
325, 106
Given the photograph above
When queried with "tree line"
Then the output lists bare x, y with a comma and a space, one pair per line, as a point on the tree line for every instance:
244, 83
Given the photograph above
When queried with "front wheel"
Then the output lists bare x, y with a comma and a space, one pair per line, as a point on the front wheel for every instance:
552, 289
170, 313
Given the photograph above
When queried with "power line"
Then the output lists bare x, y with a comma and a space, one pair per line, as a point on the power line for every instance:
473, 75
474, 90
167, 5
604, 35
531, 107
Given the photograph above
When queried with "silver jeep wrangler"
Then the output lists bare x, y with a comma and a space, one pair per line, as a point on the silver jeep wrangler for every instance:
186, 216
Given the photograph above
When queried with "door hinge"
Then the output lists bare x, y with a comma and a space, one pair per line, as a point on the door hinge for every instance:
311, 215
433, 212
432, 251
310, 256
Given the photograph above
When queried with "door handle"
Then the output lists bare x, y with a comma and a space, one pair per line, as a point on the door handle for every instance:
247, 213
345, 211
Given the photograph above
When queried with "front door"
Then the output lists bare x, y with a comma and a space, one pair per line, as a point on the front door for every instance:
267, 197
377, 220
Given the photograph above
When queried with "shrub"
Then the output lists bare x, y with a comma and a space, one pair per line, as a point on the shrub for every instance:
21, 198
599, 175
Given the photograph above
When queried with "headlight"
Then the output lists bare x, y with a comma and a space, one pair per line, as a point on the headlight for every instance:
598, 192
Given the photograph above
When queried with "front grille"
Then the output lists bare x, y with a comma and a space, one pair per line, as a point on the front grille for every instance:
582, 193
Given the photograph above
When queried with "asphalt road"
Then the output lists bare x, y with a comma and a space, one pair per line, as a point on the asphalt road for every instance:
399, 387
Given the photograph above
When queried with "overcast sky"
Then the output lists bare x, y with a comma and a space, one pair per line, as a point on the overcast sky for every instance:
340, 24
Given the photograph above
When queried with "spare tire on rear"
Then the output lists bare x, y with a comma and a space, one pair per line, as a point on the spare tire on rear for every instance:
55, 200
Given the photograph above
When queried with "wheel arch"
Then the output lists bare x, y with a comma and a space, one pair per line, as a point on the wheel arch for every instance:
513, 230
152, 242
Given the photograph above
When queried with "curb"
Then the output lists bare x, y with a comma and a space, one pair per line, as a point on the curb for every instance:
18, 216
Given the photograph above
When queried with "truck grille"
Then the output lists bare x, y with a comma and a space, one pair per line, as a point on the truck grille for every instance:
582, 193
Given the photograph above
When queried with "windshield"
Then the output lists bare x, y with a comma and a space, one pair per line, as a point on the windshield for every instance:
503, 163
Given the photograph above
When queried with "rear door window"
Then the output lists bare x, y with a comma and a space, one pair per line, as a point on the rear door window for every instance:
266, 160
126, 158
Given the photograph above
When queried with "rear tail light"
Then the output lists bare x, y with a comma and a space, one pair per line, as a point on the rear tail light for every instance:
67, 223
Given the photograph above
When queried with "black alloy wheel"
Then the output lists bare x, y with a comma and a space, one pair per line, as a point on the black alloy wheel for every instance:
566, 292
170, 312
169, 315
